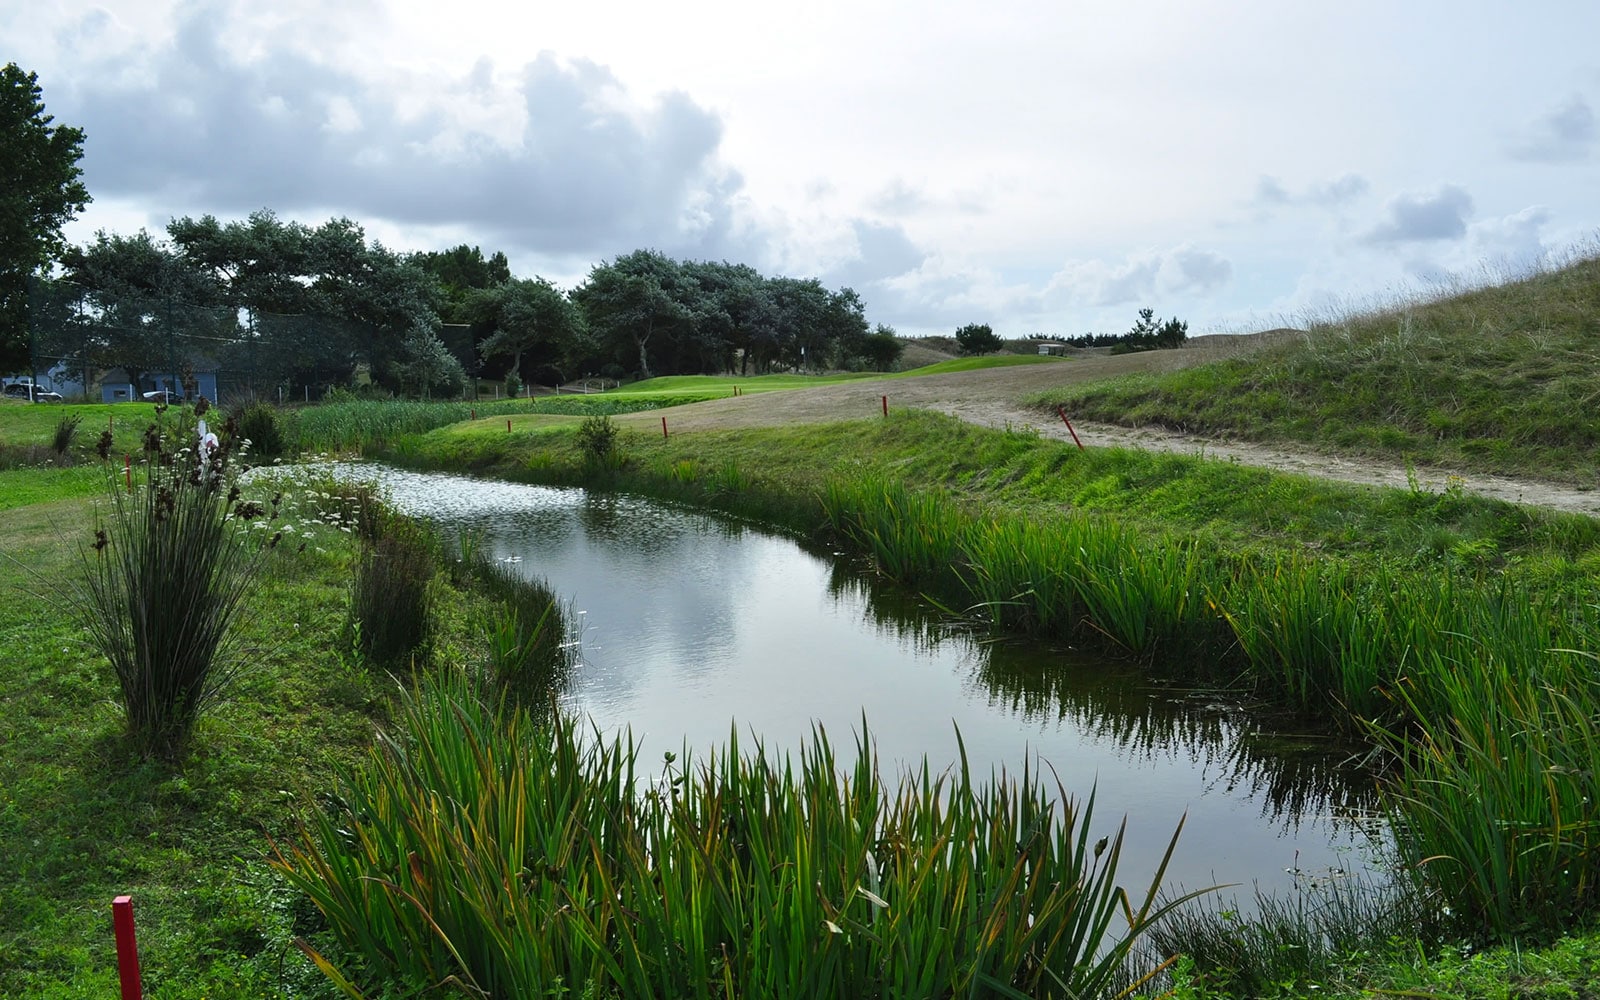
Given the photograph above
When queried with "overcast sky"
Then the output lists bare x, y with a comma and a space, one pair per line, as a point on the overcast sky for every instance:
1042, 167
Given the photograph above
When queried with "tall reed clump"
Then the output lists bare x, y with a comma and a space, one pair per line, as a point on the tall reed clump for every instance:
513, 859
391, 597
167, 579
66, 430
1494, 801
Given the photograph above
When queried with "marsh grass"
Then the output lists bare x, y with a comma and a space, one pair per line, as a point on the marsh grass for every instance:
369, 426
391, 596
478, 848
66, 430
1291, 944
531, 648
164, 583
1494, 806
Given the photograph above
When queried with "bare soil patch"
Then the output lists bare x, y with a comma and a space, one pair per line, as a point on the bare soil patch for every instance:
991, 398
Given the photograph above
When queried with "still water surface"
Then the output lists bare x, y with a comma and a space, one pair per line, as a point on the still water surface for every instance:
694, 625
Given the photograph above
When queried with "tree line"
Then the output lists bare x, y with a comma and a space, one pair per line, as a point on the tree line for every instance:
289, 303
286, 302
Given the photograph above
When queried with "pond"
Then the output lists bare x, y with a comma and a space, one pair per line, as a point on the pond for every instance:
694, 626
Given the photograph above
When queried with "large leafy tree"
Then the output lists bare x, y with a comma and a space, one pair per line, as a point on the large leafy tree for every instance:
978, 338
528, 316
638, 306
463, 270
40, 191
132, 301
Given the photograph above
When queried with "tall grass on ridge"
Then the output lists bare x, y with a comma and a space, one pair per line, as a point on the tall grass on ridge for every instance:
517, 860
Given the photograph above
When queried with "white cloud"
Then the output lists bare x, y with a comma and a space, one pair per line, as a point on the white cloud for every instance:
1420, 218
1183, 270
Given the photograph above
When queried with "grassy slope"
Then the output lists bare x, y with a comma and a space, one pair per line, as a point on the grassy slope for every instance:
1236, 506
80, 822
1504, 379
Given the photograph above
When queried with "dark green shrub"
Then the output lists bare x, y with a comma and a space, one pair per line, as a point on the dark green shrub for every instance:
258, 424
391, 602
164, 583
597, 438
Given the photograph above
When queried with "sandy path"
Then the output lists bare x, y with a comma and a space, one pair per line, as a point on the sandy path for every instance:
992, 398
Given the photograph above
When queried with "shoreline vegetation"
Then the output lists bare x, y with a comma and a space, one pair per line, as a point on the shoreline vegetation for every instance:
1456, 636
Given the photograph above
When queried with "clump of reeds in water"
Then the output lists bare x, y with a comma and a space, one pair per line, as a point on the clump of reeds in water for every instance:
531, 647
477, 847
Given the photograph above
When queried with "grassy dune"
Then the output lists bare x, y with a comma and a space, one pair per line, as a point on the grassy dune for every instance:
1503, 379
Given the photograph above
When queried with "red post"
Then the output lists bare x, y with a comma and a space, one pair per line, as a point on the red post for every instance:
886, 406
663, 428
127, 948
474, 412
508, 427
1063, 411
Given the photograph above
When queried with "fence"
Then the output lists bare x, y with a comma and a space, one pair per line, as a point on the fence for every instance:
94, 344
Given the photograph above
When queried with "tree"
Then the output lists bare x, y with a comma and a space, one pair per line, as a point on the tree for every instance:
461, 271
527, 315
1152, 334
977, 338
633, 304
879, 350
40, 192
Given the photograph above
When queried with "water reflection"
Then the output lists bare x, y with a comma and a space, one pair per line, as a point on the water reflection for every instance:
1290, 774
695, 624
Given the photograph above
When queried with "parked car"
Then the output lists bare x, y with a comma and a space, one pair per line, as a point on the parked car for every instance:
27, 390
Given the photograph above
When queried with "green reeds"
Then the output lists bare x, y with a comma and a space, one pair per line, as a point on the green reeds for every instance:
1461, 681
531, 650
391, 599
165, 581
1494, 804
478, 848
66, 430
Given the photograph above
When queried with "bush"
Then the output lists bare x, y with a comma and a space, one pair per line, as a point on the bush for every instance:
258, 424
164, 583
597, 438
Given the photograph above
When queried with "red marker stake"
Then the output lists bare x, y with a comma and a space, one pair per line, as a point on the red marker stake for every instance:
886, 406
1063, 411
663, 428
127, 948
508, 427
474, 412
